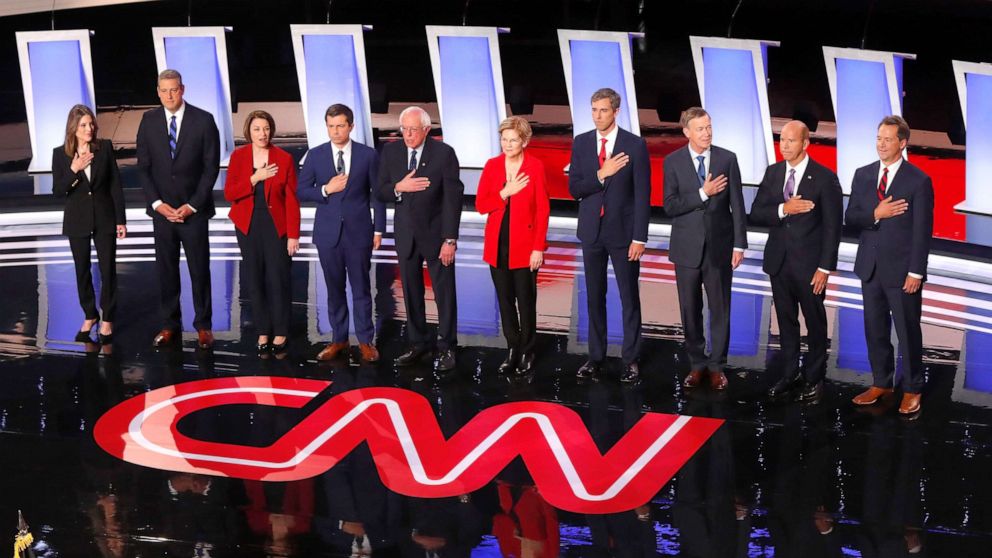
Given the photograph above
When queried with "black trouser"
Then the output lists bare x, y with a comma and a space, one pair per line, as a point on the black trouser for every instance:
193, 236
443, 283
266, 268
883, 307
791, 291
106, 253
516, 292
690, 281
594, 259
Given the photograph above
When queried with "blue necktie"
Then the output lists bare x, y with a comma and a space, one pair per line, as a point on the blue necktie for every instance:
701, 170
172, 136
413, 160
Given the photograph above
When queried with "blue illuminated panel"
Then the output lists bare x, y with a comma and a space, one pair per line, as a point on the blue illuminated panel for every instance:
468, 99
731, 98
196, 59
221, 293
478, 310
978, 165
596, 64
614, 311
57, 83
850, 344
862, 102
978, 359
745, 323
64, 313
332, 77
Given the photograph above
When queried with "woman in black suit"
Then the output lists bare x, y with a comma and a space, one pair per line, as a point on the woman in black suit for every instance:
84, 170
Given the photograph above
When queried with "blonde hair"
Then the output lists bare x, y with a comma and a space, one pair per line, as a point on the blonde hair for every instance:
518, 125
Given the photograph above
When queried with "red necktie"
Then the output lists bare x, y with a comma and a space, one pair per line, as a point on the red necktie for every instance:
602, 159
883, 184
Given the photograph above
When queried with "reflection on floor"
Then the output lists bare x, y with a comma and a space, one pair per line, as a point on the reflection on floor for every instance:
774, 479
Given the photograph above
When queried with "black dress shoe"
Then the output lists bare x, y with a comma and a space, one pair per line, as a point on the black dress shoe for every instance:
811, 392
588, 370
526, 365
445, 360
411, 356
631, 373
510, 364
785, 386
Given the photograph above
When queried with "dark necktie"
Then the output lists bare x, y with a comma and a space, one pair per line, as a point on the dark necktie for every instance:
790, 185
701, 169
883, 184
340, 167
172, 136
413, 160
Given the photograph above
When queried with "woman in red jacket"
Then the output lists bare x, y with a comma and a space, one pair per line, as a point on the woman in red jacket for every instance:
261, 186
513, 193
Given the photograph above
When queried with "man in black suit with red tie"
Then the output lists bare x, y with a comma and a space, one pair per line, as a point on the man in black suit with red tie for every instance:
420, 176
892, 205
178, 162
610, 176
704, 198
801, 203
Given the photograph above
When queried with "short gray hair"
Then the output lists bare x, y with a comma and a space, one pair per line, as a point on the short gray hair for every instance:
170, 74
606, 93
425, 119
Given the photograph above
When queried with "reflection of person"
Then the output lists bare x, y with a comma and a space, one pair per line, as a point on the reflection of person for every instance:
526, 524
339, 177
512, 191
703, 196
261, 186
420, 176
610, 176
178, 161
800, 202
893, 502
84, 170
892, 205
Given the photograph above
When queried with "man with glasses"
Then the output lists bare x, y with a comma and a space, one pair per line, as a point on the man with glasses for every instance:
420, 176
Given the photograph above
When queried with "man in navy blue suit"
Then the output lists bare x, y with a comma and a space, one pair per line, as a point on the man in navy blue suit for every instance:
338, 176
178, 161
892, 205
610, 176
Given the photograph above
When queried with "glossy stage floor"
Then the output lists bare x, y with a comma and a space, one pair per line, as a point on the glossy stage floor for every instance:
235, 459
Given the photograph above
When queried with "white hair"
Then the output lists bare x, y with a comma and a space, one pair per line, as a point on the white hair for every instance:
425, 119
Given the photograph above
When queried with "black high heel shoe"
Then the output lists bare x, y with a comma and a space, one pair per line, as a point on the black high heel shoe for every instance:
106, 339
280, 347
85, 336
264, 347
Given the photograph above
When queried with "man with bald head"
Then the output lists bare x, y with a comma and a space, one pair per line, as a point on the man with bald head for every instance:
800, 202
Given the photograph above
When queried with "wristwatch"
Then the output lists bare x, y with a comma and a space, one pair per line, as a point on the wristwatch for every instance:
451, 242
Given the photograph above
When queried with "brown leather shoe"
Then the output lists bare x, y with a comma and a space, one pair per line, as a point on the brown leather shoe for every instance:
718, 380
332, 350
204, 339
165, 337
910, 404
693, 379
369, 352
871, 395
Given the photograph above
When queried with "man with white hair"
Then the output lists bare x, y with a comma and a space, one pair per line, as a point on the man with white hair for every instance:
420, 177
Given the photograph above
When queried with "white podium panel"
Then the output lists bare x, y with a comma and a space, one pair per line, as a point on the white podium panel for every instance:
593, 60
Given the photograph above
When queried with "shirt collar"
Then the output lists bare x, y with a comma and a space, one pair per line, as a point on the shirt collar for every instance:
892, 168
178, 114
693, 154
611, 136
801, 167
346, 148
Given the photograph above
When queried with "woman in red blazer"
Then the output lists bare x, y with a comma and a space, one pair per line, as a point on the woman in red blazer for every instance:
513, 193
261, 186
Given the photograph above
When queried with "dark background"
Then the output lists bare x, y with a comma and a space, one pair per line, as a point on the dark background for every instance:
262, 66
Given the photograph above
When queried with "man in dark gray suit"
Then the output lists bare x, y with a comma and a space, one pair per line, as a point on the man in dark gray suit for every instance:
703, 197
